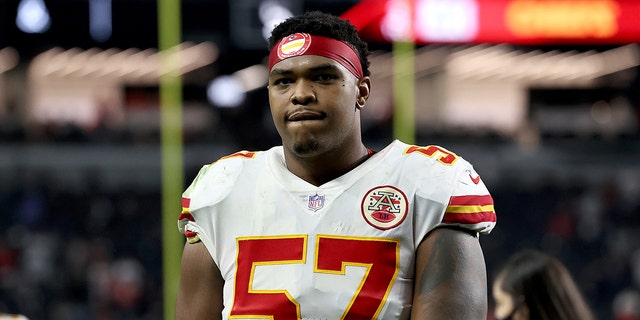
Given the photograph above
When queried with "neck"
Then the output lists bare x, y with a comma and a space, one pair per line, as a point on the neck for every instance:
320, 169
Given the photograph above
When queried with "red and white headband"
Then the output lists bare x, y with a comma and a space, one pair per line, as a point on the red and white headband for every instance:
298, 44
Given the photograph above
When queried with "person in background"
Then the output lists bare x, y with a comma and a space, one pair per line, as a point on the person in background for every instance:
323, 227
533, 285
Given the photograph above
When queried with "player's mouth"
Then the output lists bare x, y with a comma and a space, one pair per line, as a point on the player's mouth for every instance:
305, 115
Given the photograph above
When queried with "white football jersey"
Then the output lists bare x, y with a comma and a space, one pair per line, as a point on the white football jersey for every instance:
343, 250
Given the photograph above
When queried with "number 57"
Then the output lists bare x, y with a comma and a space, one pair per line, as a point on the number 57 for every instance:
379, 256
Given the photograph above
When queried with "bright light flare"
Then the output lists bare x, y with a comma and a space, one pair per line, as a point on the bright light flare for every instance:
33, 16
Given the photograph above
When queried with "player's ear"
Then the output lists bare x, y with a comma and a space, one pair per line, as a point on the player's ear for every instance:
364, 90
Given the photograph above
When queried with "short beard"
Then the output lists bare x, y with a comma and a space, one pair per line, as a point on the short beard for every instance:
306, 148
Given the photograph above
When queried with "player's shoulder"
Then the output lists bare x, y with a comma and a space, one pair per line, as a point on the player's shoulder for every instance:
215, 180
228, 166
429, 155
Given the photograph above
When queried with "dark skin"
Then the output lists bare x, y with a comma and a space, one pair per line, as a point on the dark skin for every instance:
451, 279
199, 277
315, 103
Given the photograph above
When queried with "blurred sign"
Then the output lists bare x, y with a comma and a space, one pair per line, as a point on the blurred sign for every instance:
499, 21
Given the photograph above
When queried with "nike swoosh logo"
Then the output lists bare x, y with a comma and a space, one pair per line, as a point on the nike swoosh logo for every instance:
475, 180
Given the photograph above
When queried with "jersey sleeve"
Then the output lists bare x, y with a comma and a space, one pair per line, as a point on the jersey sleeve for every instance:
212, 184
470, 204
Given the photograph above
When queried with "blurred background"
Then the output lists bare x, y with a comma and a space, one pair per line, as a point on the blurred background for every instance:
543, 97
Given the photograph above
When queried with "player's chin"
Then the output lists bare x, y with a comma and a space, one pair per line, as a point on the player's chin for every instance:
306, 147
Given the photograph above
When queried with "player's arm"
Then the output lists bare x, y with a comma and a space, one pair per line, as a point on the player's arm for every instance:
200, 290
451, 279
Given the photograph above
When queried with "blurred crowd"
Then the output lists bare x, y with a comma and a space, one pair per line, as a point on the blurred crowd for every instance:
80, 255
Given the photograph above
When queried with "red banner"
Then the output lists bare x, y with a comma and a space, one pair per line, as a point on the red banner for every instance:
498, 21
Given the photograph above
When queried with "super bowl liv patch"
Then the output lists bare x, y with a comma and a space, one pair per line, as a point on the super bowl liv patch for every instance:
384, 207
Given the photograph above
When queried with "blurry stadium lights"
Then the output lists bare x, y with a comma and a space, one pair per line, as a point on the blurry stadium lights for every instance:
501, 62
229, 91
33, 16
8, 59
271, 13
225, 92
100, 20
119, 65
252, 77
75, 85
249, 33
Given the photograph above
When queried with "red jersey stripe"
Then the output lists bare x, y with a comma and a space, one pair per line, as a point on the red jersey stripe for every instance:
187, 216
471, 200
470, 209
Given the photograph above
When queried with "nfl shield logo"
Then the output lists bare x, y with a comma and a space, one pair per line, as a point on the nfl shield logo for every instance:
316, 202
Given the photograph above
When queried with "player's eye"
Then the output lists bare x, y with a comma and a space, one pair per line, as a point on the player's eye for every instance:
325, 77
282, 81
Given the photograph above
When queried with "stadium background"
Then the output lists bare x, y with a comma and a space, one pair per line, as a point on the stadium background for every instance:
556, 142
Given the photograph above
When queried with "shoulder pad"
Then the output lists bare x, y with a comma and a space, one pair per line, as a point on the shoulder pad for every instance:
214, 181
